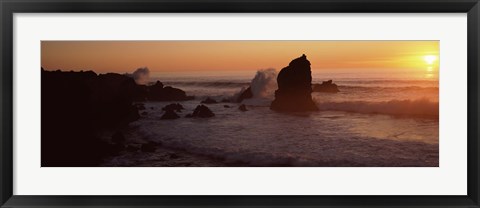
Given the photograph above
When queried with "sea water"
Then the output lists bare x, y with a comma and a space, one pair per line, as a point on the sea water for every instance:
375, 120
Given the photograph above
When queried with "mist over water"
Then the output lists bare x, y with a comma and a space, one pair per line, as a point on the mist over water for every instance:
264, 83
141, 75
373, 121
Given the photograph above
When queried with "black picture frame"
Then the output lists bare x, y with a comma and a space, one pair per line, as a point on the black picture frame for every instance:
9, 7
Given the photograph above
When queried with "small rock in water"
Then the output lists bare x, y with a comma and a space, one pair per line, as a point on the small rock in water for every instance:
174, 106
209, 101
327, 86
226, 106
246, 94
144, 113
242, 108
169, 114
201, 111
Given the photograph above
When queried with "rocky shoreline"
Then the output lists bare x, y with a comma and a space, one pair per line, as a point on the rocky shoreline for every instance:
78, 107
75, 106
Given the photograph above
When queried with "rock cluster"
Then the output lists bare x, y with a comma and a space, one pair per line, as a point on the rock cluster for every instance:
76, 105
158, 92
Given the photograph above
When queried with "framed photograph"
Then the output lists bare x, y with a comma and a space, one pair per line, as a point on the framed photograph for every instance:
265, 103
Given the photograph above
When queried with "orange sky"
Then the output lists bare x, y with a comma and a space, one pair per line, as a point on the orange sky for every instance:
160, 56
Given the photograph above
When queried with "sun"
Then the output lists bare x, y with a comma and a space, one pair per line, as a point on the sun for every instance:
430, 59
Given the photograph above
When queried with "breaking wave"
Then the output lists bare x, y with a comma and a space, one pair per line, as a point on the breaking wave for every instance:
263, 86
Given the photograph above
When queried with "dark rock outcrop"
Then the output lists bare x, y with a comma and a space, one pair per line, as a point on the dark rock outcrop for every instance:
76, 105
242, 108
246, 94
169, 114
111, 98
327, 86
294, 87
201, 111
158, 92
174, 107
209, 101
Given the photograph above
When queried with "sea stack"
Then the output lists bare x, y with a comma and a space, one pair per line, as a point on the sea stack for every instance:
294, 91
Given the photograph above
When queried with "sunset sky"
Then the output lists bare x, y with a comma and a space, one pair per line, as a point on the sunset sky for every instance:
163, 56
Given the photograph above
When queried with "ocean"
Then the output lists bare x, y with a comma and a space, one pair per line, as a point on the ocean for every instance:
376, 120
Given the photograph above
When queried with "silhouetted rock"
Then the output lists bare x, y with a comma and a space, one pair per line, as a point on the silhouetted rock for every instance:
118, 137
226, 106
157, 86
174, 106
209, 101
158, 92
201, 111
170, 114
327, 86
75, 106
242, 107
112, 97
294, 87
246, 94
